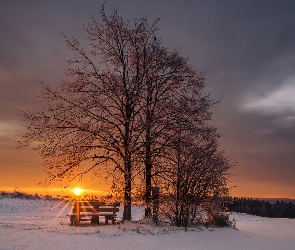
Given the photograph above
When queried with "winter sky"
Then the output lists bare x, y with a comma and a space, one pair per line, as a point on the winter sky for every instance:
246, 49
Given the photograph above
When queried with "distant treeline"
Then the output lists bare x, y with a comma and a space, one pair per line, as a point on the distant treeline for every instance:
278, 209
24, 195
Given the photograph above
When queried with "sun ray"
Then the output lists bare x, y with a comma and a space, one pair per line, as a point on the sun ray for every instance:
59, 213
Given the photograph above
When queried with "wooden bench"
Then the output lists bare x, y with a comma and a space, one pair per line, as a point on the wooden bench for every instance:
92, 210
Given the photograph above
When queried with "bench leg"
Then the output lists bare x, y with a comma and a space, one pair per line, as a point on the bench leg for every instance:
72, 219
77, 221
95, 219
109, 217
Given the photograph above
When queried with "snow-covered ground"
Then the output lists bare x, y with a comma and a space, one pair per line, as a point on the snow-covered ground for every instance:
42, 224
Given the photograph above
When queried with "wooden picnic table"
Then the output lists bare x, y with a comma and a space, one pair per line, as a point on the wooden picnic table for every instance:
92, 210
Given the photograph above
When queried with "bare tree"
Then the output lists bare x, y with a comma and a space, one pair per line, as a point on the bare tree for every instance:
197, 175
192, 170
169, 77
91, 119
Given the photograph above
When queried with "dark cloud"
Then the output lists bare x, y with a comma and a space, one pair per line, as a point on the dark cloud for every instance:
246, 48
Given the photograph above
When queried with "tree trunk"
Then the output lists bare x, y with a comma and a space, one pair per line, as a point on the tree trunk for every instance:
148, 210
127, 161
127, 193
148, 160
148, 181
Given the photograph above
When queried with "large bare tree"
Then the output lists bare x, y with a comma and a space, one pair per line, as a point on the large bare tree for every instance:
92, 118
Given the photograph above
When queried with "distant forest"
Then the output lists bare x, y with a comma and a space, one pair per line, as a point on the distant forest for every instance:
278, 209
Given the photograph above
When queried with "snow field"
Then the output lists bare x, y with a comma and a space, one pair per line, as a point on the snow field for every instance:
43, 224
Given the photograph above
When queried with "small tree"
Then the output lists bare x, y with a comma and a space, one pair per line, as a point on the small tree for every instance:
196, 170
197, 179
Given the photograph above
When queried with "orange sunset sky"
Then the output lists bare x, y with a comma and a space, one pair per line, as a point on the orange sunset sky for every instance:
246, 49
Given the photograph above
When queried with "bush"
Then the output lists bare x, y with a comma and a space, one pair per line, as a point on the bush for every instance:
223, 220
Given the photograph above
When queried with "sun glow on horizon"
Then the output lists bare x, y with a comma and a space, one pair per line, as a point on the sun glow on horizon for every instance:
77, 191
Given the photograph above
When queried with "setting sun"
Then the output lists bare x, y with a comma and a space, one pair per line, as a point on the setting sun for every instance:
77, 191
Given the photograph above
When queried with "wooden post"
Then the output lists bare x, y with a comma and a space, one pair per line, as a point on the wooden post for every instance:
77, 213
155, 200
